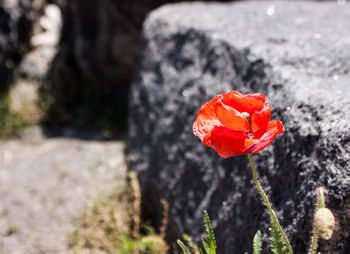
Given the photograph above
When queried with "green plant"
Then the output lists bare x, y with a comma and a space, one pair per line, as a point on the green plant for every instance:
324, 226
277, 245
208, 244
10, 123
257, 243
113, 225
276, 225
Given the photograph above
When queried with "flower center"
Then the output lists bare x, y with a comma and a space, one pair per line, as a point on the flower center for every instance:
247, 115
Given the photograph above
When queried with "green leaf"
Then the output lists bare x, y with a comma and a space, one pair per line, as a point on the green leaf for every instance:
185, 250
205, 247
277, 245
257, 243
190, 243
210, 233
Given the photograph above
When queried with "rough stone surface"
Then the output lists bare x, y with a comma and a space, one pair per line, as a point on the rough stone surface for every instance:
298, 55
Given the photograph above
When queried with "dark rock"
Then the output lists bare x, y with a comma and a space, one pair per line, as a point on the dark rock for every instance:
16, 23
94, 63
97, 59
298, 55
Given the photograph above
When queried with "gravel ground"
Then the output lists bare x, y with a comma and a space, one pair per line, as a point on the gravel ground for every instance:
45, 184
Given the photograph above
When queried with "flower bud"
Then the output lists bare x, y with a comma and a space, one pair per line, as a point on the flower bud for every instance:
324, 223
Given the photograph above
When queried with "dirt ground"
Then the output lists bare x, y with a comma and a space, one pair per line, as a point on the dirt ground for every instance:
45, 184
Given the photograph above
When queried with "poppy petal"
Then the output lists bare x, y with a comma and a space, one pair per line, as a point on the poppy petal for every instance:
260, 119
277, 126
206, 119
226, 142
231, 118
244, 103
273, 128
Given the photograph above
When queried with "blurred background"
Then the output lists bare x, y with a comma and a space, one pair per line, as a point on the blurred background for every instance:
74, 59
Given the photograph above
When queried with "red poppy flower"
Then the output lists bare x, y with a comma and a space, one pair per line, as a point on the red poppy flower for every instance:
235, 124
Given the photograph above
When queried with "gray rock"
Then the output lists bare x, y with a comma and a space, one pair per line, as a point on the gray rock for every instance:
298, 55
16, 23
44, 41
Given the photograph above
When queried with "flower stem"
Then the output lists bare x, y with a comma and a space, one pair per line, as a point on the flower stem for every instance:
320, 204
314, 242
272, 212
320, 201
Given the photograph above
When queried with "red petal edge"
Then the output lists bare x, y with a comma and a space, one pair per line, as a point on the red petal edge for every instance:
260, 119
244, 103
273, 128
206, 119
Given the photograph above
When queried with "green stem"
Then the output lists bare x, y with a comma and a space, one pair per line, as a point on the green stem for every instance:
262, 192
321, 203
314, 241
